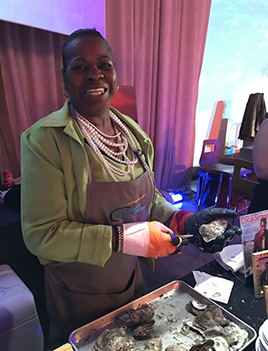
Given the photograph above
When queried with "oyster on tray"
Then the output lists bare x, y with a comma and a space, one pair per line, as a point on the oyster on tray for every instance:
144, 331
141, 315
154, 344
114, 340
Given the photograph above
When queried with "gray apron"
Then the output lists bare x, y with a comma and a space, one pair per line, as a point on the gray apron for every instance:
77, 293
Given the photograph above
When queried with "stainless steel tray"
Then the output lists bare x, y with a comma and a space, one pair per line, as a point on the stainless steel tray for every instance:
169, 303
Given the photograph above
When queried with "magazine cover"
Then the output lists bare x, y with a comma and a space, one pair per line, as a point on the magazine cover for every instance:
260, 272
254, 236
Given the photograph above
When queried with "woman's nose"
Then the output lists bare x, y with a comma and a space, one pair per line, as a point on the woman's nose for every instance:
94, 73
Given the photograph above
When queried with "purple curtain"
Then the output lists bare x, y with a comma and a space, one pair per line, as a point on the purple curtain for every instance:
159, 46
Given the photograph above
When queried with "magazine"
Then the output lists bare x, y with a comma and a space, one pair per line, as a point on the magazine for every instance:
254, 236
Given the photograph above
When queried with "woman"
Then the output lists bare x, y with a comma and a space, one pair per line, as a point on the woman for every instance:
259, 201
89, 203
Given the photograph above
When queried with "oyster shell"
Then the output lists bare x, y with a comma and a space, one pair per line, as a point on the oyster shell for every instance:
210, 318
215, 331
114, 340
141, 315
154, 344
195, 307
213, 229
218, 316
144, 331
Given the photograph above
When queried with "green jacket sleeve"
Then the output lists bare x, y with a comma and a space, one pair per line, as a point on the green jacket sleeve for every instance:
52, 229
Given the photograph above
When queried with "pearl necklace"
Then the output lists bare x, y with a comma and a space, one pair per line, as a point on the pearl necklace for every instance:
102, 143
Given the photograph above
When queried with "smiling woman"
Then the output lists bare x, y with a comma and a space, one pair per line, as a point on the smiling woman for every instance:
89, 76
89, 203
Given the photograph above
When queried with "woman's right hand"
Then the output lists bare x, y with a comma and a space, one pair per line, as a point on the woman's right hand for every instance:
159, 243
147, 239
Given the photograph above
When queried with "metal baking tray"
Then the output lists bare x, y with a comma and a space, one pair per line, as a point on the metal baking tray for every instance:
169, 304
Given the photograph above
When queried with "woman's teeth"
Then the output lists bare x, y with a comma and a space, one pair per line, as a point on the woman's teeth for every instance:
96, 92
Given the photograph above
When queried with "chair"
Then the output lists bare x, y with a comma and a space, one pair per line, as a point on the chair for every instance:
20, 325
244, 182
210, 164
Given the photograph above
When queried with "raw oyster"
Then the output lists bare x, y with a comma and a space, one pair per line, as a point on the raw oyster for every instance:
176, 348
213, 229
144, 331
154, 344
114, 340
211, 317
141, 315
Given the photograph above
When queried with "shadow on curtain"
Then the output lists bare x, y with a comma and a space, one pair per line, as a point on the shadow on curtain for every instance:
31, 84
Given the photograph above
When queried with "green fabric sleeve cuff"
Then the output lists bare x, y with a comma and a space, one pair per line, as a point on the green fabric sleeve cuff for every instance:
96, 246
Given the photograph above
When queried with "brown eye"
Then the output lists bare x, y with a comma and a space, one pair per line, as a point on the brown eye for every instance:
106, 66
78, 67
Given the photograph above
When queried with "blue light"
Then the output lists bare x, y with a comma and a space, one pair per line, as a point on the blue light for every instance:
176, 197
178, 205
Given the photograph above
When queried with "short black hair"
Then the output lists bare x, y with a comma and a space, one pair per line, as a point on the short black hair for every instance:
80, 33
264, 220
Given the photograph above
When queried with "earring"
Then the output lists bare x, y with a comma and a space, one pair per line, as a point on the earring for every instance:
65, 93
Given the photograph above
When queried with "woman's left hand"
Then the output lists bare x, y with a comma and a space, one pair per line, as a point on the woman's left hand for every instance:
195, 221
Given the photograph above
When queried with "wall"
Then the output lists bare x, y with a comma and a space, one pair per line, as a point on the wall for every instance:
59, 16
235, 62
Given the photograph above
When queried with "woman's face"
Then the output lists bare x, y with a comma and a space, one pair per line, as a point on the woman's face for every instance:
262, 227
90, 79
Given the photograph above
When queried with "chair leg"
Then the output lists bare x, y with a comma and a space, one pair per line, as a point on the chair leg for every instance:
216, 199
229, 192
202, 191
236, 208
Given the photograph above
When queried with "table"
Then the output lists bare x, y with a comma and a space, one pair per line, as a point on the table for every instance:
242, 302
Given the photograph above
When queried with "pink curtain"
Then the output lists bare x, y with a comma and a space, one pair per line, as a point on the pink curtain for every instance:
159, 46
30, 84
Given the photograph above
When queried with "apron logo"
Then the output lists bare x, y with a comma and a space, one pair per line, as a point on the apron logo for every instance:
131, 209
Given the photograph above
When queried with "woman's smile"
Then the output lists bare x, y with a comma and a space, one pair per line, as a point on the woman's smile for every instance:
90, 78
96, 92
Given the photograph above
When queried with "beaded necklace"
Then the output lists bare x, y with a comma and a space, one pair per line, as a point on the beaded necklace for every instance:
103, 143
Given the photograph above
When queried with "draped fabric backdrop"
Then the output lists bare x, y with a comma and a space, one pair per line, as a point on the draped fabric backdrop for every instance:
30, 84
158, 47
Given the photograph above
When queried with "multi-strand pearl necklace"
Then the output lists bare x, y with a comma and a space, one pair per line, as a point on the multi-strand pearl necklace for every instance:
102, 143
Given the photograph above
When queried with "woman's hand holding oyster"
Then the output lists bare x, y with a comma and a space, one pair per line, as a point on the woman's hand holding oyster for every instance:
210, 229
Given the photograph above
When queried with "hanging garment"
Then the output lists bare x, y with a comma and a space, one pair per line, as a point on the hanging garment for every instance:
255, 113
